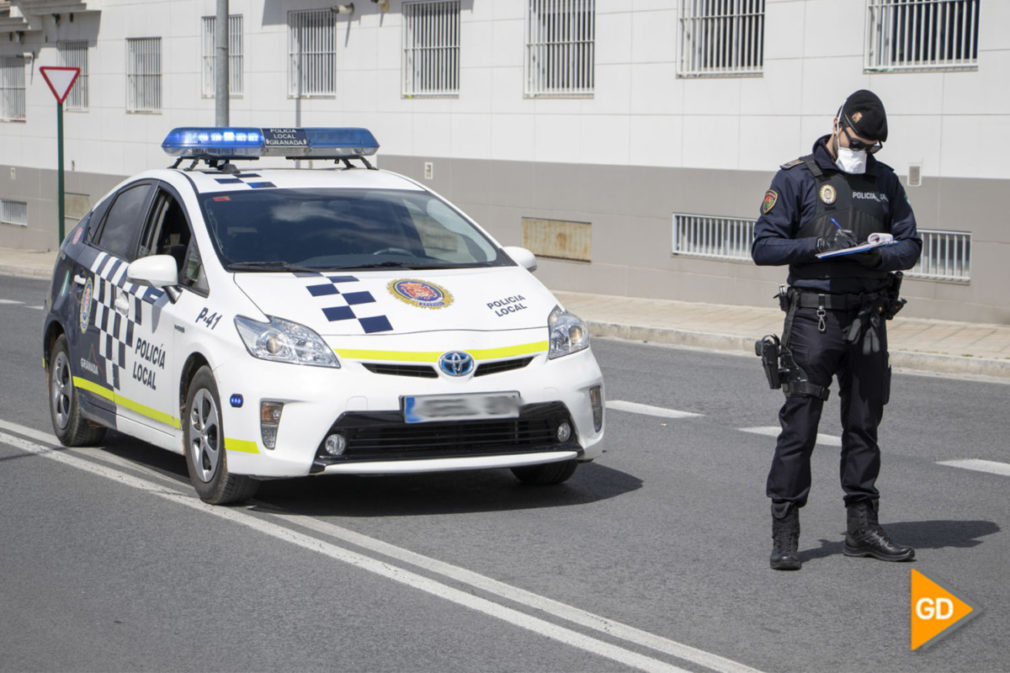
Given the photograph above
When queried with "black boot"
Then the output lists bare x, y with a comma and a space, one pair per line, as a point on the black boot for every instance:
785, 536
865, 537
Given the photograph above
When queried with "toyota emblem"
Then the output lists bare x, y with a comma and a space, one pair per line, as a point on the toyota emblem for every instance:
456, 363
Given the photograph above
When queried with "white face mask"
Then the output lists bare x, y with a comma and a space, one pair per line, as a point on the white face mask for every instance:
850, 160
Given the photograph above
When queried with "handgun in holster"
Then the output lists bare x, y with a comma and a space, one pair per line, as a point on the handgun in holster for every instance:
769, 349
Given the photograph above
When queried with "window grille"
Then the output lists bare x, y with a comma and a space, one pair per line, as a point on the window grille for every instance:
311, 53
560, 47
946, 255
12, 90
921, 34
143, 74
14, 212
235, 79
721, 37
75, 55
712, 236
430, 48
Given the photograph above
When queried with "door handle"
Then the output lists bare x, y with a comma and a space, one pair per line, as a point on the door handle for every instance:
79, 279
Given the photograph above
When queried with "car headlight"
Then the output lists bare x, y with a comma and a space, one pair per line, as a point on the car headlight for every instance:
568, 334
285, 341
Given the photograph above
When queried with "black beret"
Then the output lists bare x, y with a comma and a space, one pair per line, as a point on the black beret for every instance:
864, 113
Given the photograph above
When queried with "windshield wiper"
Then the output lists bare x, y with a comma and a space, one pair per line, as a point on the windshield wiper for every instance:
265, 265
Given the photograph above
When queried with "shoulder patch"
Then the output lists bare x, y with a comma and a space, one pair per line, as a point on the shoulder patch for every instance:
771, 198
790, 164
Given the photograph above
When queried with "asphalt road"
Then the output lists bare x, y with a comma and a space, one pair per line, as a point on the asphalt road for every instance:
653, 558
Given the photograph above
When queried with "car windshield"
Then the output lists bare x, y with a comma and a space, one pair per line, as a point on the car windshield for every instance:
326, 229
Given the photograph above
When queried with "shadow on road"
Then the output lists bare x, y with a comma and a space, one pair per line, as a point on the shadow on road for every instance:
918, 534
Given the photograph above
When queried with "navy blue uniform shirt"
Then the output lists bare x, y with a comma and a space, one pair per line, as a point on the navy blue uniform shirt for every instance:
775, 243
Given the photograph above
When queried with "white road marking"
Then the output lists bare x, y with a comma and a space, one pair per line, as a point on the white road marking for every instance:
990, 466
10, 301
36, 308
539, 626
774, 430
648, 409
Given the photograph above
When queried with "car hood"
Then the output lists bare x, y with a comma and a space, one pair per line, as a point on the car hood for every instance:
348, 303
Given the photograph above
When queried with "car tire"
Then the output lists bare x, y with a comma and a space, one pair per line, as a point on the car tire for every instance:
545, 475
203, 434
70, 427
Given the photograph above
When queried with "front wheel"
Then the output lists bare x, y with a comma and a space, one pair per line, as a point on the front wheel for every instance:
545, 475
205, 453
70, 427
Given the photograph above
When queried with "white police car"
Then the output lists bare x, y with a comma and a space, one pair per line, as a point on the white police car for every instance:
287, 322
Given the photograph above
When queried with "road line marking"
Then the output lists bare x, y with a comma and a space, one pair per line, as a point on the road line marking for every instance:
774, 430
37, 308
648, 409
522, 620
10, 301
977, 465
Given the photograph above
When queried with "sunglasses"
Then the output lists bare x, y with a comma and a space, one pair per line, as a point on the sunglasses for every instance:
857, 144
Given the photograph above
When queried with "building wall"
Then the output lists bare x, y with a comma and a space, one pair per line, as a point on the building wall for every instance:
645, 145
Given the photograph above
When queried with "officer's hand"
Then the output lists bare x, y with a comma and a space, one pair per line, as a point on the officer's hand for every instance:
838, 239
870, 259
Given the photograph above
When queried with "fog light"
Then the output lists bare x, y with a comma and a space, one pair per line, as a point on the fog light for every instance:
335, 444
270, 419
564, 431
596, 401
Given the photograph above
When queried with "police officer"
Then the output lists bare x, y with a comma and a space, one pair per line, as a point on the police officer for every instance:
829, 200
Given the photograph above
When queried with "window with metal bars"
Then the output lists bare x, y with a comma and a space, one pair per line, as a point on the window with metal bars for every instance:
712, 236
431, 48
235, 79
75, 55
143, 74
560, 47
946, 255
13, 212
921, 34
12, 90
721, 37
312, 53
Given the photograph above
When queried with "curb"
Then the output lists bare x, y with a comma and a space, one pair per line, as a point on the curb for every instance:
930, 363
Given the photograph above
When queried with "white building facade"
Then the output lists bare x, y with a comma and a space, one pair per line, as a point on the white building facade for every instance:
628, 143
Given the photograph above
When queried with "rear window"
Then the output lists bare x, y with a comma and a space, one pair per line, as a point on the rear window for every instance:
323, 229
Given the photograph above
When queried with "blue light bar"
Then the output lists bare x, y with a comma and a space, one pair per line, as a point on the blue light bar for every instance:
214, 143
251, 143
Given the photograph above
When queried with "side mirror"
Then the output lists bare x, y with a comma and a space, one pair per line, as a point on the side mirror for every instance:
521, 256
154, 270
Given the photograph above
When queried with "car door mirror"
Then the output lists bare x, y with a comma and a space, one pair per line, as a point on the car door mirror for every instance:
154, 270
521, 256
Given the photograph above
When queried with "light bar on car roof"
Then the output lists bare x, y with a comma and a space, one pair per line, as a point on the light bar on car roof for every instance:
251, 143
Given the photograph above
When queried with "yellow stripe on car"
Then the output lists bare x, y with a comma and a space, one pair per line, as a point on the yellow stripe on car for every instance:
126, 402
433, 356
241, 445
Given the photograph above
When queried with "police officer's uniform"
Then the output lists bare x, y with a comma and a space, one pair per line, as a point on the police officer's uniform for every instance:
834, 324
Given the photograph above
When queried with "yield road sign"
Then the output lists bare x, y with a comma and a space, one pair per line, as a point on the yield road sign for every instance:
60, 80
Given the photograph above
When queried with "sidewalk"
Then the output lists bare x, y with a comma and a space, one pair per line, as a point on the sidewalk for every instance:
932, 346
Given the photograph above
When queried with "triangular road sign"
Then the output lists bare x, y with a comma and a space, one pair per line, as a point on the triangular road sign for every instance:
60, 80
934, 609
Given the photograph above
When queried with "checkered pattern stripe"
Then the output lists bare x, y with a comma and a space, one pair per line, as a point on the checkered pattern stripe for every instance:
252, 180
116, 330
346, 302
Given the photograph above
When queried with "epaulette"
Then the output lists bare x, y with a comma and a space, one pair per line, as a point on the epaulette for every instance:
790, 164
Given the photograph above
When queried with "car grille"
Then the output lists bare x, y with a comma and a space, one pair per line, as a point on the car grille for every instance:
429, 372
383, 435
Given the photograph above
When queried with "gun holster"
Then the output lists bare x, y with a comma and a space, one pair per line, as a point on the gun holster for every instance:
769, 349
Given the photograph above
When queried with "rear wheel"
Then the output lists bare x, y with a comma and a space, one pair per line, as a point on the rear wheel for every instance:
70, 427
546, 475
206, 460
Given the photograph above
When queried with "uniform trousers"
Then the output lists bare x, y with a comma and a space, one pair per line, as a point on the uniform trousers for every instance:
863, 386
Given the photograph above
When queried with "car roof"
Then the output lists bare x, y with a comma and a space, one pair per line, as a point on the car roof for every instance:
247, 176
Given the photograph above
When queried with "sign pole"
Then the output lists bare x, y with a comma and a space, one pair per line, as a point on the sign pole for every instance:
59, 151
60, 80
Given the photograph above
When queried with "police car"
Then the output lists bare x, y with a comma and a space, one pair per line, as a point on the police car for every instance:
286, 322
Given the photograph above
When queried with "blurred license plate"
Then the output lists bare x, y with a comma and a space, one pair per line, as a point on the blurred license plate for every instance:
427, 408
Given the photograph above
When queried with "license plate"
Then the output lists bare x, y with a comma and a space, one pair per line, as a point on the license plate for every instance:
474, 406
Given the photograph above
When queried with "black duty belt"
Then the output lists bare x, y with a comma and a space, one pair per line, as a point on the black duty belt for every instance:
835, 302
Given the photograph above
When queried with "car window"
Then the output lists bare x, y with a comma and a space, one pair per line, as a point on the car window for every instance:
125, 221
343, 229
